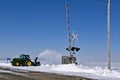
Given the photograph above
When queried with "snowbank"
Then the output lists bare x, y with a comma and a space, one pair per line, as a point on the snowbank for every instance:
5, 64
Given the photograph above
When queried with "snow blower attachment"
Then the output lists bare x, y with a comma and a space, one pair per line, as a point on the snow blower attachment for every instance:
24, 60
70, 59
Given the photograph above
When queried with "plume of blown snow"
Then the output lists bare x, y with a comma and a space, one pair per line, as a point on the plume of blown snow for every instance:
49, 57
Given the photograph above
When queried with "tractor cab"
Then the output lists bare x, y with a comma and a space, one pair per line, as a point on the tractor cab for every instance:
23, 56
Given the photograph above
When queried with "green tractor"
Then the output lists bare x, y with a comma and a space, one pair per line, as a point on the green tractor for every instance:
24, 60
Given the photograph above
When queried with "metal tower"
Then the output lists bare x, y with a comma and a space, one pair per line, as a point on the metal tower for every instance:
71, 39
68, 23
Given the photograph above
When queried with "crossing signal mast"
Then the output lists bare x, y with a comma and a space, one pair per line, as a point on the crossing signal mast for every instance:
71, 39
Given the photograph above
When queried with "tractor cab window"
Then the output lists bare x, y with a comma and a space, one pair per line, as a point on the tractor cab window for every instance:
24, 56
27, 57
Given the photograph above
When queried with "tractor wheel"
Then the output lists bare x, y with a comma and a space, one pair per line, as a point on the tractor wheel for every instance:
28, 63
17, 64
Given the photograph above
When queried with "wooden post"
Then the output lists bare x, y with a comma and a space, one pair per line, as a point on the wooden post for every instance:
109, 57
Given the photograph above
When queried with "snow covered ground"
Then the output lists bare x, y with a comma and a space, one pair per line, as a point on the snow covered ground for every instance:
96, 70
91, 71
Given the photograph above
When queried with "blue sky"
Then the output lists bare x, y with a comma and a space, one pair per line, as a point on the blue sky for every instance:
31, 26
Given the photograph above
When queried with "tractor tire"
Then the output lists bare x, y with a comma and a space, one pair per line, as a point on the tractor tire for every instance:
17, 64
28, 63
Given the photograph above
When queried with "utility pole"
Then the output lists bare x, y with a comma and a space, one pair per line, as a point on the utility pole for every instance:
108, 16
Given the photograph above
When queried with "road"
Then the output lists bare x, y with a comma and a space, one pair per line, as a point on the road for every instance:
10, 74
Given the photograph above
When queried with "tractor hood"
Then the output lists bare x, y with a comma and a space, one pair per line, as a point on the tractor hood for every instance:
16, 59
